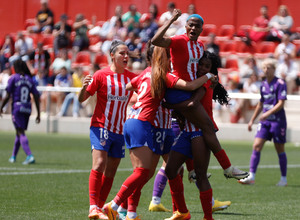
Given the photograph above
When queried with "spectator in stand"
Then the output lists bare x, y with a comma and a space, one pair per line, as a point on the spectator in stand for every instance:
131, 18
153, 11
118, 32
148, 27
135, 49
39, 63
280, 24
63, 79
182, 19
77, 79
287, 67
81, 40
248, 68
167, 16
44, 20
260, 28
213, 47
62, 34
6, 51
62, 60
24, 45
109, 25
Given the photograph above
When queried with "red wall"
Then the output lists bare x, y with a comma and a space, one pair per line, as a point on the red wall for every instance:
13, 13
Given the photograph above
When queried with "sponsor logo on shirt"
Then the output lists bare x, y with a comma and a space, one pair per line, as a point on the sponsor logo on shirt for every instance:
117, 98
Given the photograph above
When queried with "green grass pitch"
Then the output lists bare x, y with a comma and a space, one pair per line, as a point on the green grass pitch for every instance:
56, 187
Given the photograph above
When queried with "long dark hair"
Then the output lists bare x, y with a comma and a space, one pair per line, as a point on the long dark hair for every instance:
220, 94
21, 67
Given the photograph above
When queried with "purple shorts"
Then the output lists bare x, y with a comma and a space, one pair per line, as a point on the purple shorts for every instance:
183, 143
163, 140
112, 143
138, 133
20, 120
272, 129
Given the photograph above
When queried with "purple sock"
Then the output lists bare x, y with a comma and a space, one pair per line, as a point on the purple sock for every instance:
25, 144
283, 163
254, 161
16, 146
159, 183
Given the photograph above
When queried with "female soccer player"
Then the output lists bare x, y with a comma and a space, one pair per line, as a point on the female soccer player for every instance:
20, 85
190, 144
106, 131
186, 51
272, 123
138, 128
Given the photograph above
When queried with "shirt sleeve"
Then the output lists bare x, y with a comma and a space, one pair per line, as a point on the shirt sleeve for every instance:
93, 86
171, 80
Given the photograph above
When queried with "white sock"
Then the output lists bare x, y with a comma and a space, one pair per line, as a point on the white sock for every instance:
92, 206
252, 175
212, 202
114, 206
283, 178
156, 200
131, 214
121, 209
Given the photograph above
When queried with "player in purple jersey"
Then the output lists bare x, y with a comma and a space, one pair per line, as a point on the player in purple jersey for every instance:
19, 87
272, 123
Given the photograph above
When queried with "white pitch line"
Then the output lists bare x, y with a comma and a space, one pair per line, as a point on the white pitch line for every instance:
32, 171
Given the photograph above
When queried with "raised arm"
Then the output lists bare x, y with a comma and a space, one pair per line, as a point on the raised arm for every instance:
159, 39
83, 94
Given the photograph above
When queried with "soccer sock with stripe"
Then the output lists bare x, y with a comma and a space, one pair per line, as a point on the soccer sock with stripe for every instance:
95, 180
159, 185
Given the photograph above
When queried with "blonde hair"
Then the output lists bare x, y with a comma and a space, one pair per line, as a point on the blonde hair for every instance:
269, 62
160, 67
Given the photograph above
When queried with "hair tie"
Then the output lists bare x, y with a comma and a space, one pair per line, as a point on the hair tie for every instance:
195, 16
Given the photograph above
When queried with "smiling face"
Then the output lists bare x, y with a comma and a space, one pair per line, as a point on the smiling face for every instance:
120, 56
204, 66
193, 28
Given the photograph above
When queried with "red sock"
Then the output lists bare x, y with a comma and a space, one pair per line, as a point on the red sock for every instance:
206, 197
176, 188
105, 189
134, 198
95, 180
189, 164
131, 183
124, 204
223, 159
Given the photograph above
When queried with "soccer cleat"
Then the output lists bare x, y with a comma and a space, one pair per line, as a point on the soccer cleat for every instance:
247, 181
102, 216
12, 159
29, 160
111, 214
233, 172
158, 208
136, 218
94, 213
192, 176
218, 205
282, 183
179, 216
122, 215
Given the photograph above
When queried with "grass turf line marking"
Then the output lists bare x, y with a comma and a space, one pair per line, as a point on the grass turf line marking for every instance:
33, 171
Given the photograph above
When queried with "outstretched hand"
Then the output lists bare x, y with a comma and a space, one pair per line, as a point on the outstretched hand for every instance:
176, 14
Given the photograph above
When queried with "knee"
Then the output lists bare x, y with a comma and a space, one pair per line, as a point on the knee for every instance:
171, 173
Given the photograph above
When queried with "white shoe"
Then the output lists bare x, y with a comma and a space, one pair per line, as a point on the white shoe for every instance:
282, 183
233, 172
247, 181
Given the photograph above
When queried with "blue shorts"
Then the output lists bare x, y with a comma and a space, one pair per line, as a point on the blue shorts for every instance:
112, 143
138, 133
183, 143
162, 140
174, 96
272, 129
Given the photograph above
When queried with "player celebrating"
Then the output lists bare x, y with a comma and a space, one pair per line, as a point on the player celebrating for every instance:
272, 122
106, 131
20, 85
186, 51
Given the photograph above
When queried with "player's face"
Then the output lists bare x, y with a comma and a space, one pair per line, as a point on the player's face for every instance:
120, 57
204, 66
268, 70
193, 28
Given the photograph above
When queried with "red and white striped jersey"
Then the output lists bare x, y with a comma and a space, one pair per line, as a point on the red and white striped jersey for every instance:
112, 99
206, 101
185, 55
163, 118
146, 106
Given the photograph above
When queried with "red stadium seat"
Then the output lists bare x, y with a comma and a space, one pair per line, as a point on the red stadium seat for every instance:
228, 47
244, 50
225, 32
231, 65
83, 58
47, 40
243, 30
101, 59
207, 29
265, 49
